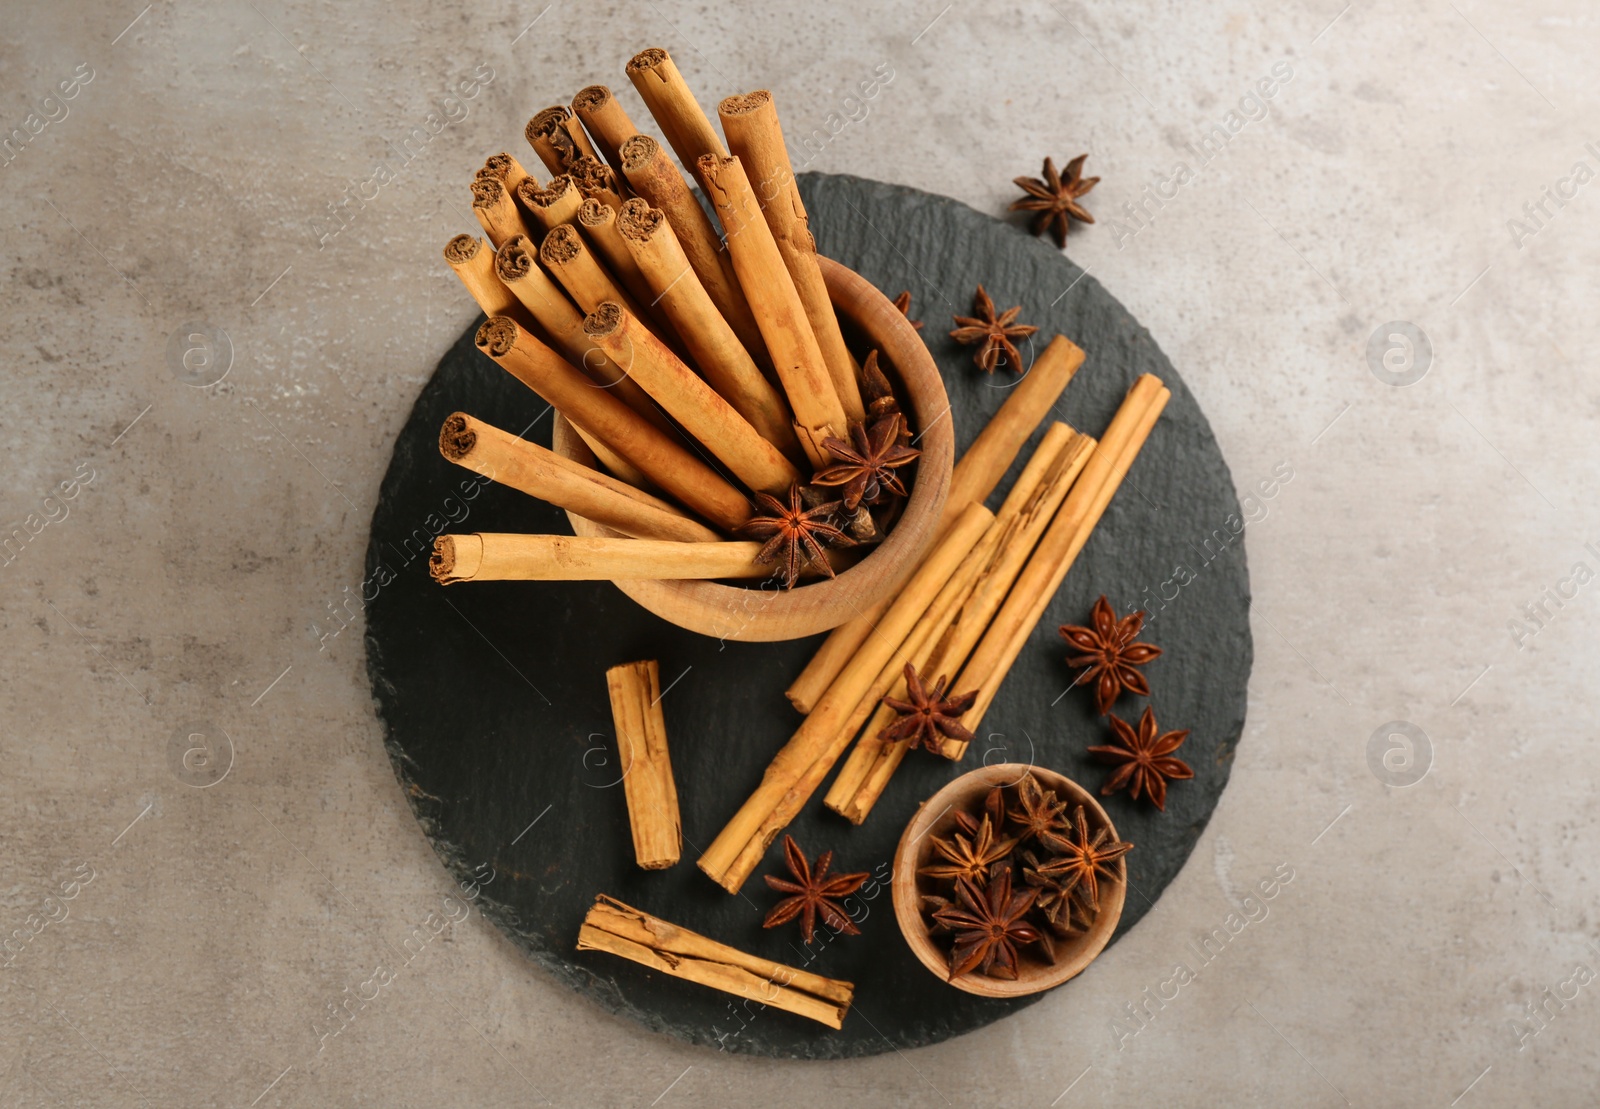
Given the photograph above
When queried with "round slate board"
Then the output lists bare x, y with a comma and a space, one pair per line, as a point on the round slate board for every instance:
493, 696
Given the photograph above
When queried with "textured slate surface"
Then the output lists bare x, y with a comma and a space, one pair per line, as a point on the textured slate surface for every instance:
494, 703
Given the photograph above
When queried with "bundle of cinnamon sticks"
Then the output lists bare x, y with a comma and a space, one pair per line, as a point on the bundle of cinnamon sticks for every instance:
723, 372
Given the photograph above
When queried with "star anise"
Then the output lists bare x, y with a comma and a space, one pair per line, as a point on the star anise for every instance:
1055, 199
814, 893
1037, 810
796, 531
928, 714
1109, 650
1062, 911
995, 332
1081, 860
1146, 757
866, 465
903, 302
988, 927
994, 808
969, 858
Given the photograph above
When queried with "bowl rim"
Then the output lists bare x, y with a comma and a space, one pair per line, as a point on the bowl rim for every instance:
908, 855
731, 611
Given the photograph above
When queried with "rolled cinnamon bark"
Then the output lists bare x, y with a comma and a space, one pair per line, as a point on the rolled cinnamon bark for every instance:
595, 179
661, 458
635, 691
570, 262
818, 413
756, 139
599, 224
557, 138
510, 171
538, 472
711, 342
674, 107
519, 271
497, 556
553, 205
976, 474
689, 400
605, 120
656, 179
496, 211
474, 264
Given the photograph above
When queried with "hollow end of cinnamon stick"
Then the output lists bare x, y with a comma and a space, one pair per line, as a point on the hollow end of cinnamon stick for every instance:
638, 221
455, 558
595, 213
456, 437
592, 176
604, 321
637, 152
487, 191
514, 259
561, 245
496, 336
591, 99
549, 196
744, 103
647, 59
462, 249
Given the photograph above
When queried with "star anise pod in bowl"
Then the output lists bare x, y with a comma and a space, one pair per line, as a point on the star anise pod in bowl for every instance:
866, 465
796, 532
988, 925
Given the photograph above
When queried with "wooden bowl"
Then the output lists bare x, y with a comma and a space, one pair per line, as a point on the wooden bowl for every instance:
766, 613
935, 818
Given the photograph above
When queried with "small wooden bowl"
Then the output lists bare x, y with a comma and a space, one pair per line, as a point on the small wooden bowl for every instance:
935, 818
764, 614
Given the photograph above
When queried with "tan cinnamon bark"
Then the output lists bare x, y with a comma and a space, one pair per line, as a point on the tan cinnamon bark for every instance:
510, 171
976, 474
496, 211
1058, 549
688, 399
635, 690
573, 486
473, 263
756, 139
780, 315
605, 120
551, 206
674, 107
574, 265
661, 458
557, 137
598, 222
676, 289
499, 556
800, 766
595, 179
620, 930
654, 177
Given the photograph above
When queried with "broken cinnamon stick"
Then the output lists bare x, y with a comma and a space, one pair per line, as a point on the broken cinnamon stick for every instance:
538, 472
652, 795
652, 942
756, 139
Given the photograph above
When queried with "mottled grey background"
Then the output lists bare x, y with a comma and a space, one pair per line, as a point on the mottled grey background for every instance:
178, 942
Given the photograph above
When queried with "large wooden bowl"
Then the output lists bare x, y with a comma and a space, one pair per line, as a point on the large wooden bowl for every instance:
935, 818
766, 613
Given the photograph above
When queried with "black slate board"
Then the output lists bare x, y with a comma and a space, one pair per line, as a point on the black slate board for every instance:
494, 700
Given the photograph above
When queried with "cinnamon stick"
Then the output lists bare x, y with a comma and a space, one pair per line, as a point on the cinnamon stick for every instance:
573, 264
710, 341
563, 323
605, 120
496, 211
538, 472
688, 399
635, 690
756, 139
595, 180
663, 459
599, 224
1029, 507
473, 263
621, 930
500, 556
1058, 549
797, 769
510, 171
551, 206
780, 315
674, 107
557, 138
656, 179
976, 474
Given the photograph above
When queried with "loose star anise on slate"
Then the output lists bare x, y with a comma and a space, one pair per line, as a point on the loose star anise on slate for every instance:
1081, 860
795, 530
928, 715
994, 332
1055, 199
1146, 757
903, 302
1038, 810
968, 858
866, 465
988, 926
1110, 653
814, 893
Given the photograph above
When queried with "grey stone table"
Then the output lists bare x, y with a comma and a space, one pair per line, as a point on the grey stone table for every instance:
1416, 754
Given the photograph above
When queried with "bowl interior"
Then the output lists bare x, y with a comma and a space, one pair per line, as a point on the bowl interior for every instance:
763, 612
936, 817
